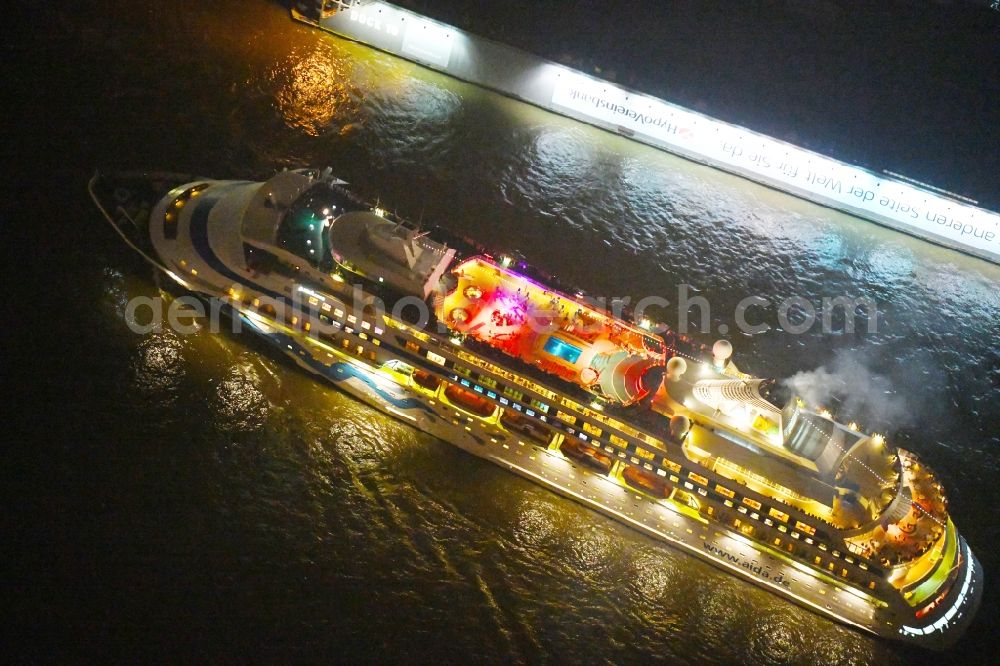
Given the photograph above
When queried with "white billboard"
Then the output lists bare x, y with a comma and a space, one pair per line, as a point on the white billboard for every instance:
777, 163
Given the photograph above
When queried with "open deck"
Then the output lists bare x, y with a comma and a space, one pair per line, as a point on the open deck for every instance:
555, 332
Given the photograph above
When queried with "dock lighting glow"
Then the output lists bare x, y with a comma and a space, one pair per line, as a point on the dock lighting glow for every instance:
506, 261
379, 211
878, 440
825, 413
853, 426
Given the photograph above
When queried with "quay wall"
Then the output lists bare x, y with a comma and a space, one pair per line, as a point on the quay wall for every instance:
879, 198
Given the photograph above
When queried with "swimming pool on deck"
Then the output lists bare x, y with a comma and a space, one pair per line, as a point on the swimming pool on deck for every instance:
562, 349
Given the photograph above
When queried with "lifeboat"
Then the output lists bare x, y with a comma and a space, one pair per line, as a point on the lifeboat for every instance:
645, 481
586, 455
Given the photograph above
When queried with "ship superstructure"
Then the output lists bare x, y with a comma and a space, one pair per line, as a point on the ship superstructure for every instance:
484, 353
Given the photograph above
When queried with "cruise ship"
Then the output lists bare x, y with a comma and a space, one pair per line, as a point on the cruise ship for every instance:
630, 419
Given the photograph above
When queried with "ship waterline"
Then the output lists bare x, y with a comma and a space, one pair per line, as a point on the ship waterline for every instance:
686, 449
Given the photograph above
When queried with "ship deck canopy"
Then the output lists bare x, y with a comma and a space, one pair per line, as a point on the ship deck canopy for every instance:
555, 332
388, 252
742, 454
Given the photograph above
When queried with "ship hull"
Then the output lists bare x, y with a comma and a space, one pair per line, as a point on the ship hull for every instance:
665, 520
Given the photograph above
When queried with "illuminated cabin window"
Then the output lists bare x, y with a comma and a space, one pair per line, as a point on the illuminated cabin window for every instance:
338, 313
170, 225
777, 541
671, 465
817, 560
724, 491
618, 441
435, 358
487, 381
591, 429
414, 347
644, 454
462, 370
697, 478
326, 307
571, 404
540, 406
780, 515
805, 528
513, 393
752, 503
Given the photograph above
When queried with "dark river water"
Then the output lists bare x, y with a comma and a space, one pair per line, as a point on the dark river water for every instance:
197, 497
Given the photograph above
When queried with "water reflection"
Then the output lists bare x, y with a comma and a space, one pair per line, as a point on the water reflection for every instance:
315, 90
593, 551
536, 525
776, 638
159, 366
240, 405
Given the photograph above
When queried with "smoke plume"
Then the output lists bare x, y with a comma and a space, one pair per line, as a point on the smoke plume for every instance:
852, 392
